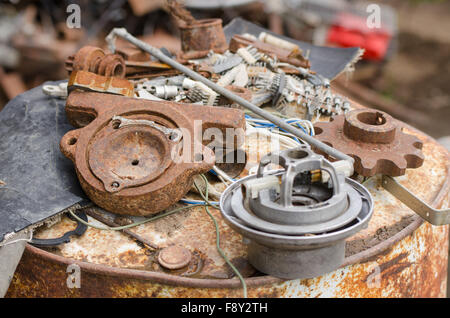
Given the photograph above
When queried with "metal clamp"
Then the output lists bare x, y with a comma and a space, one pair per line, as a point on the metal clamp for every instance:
174, 134
428, 213
80, 229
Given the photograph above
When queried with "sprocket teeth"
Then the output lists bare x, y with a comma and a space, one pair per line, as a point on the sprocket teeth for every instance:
415, 160
389, 154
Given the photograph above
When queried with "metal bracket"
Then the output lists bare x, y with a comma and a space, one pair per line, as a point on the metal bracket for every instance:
174, 134
80, 229
59, 90
428, 213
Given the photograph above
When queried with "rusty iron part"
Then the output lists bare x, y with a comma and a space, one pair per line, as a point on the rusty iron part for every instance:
147, 75
112, 65
136, 61
294, 58
374, 139
94, 59
97, 83
184, 58
135, 67
132, 53
139, 62
204, 70
202, 36
174, 257
86, 59
133, 169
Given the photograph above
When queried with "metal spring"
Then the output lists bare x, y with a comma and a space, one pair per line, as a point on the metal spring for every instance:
264, 81
195, 94
276, 82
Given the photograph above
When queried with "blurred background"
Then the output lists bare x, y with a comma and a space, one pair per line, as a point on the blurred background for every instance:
405, 70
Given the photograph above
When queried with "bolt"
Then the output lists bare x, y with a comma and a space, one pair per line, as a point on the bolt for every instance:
174, 257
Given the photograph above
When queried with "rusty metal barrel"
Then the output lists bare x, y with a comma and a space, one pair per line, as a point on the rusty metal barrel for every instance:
398, 255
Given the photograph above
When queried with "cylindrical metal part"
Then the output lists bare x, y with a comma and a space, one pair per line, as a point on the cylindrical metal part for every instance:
288, 264
204, 35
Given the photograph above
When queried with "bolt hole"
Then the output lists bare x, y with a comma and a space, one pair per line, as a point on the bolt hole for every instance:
173, 136
374, 119
115, 184
116, 124
72, 141
297, 154
118, 70
135, 162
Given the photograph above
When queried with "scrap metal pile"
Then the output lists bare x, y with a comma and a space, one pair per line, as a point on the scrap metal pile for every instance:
135, 107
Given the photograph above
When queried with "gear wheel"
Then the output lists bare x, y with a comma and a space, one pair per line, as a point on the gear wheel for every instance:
374, 139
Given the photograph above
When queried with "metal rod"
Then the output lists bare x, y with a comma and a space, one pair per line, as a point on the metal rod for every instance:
123, 33
222, 174
104, 220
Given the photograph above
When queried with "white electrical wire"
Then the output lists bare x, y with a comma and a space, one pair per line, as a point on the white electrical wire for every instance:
285, 141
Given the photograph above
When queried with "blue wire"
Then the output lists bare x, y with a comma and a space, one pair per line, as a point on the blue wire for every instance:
270, 125
215, 173
197, 203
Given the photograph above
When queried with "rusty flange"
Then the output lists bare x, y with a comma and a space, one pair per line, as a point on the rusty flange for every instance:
129, 160
374, 139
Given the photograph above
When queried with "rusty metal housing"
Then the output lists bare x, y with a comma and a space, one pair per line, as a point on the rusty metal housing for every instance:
126, 161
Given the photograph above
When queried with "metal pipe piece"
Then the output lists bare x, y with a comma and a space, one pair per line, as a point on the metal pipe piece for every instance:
123, 33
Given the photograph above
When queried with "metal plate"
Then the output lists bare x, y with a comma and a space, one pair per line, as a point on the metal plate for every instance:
326, 61
36, 180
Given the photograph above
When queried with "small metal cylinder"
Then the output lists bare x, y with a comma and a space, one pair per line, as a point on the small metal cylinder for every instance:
205, 35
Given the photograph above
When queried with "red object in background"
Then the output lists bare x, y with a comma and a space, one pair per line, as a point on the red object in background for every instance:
351, 30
